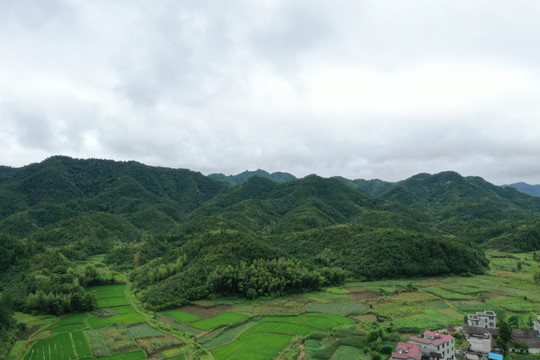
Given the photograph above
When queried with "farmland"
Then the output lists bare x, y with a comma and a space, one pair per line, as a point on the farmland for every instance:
337, 317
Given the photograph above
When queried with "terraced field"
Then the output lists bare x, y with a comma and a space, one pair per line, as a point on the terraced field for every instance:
260, 329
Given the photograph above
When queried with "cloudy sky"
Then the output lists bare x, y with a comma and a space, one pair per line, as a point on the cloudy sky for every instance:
363, 89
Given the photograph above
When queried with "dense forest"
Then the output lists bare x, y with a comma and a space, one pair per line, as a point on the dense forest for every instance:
184, 236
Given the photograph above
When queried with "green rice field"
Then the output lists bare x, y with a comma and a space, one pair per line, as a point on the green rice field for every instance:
349, 353
181, 316
256, 347
226, 318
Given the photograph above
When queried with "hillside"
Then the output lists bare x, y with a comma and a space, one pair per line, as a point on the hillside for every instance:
279, 177
184, 236
533, 190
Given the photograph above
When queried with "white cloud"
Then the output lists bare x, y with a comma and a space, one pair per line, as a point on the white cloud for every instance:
367, 89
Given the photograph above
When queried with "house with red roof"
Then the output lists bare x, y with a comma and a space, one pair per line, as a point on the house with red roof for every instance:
407, 351
435, 345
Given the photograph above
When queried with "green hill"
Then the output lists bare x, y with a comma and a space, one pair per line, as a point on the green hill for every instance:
279, 177
184, 236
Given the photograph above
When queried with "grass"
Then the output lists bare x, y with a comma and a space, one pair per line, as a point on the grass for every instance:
226, 318
68, 328
76, 318
326, 297
256, 347
16, 350
336, 290
181, 316
337, 308
129, 318
108, 291
116, 301
127, 309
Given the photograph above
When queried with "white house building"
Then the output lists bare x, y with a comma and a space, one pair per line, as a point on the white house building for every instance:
435, 345
485, 319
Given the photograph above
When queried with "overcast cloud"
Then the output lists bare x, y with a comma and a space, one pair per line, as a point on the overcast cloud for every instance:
362, 89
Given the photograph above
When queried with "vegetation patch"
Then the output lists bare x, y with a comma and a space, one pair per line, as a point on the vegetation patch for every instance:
337, 308
59, 347
227, 336
182, 316
129, 318
107, 340
143, 330
68, 328
226, 318
132, 355
82, 348
156, 344
349, 353
256, 347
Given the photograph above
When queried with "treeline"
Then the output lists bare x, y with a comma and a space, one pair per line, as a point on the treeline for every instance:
44, 281
271, 278
57, 303
10, 328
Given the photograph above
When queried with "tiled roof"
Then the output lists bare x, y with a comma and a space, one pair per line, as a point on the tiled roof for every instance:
407, 350
438, 338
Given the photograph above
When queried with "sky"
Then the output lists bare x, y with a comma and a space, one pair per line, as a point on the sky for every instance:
357, 88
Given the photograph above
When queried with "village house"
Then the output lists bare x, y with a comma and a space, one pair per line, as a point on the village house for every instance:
435, 345
485, 319
523, 341
407, 351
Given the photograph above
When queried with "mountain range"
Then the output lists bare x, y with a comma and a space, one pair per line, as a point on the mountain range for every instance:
184, 236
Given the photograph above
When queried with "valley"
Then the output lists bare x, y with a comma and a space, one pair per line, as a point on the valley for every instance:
333, 323
119, 260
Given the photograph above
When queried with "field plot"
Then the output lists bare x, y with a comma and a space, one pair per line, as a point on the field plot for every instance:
116, 301
176, 325
310, 346
171, 353
177, 357
156, 344
81, 344
132, 355
226, 318
67, 328
348, 353
143, 330
429, 320
337, 308
128, 318
59, 347
182, 316
256, 347
110, 295
227, 336
107, 340
297, 325
16, 349
108, 291
446, 294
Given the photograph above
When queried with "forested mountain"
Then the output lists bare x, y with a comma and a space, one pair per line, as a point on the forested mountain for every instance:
533, 190
279, 177
184, 236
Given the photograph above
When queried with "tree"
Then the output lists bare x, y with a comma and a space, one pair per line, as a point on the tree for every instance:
513, 321
505, 335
